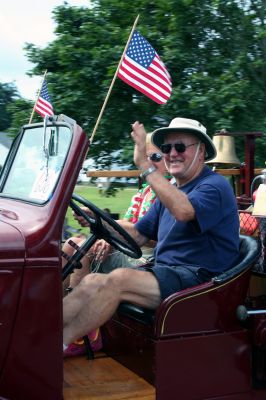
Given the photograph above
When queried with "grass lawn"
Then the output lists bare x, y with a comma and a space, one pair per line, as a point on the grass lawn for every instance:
118, 204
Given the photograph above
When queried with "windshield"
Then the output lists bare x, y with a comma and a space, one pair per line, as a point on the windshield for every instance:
38, 163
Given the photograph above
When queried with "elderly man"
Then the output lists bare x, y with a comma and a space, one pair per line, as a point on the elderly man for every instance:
195, 223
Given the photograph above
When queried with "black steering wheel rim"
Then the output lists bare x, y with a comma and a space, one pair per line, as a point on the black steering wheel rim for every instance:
110, 231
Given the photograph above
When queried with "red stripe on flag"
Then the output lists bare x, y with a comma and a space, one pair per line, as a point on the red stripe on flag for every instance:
43, 104
150, 74
144, 87
157, 89
43, 107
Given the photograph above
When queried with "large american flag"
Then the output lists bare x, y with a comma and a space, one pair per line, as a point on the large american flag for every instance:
43, 105
143, 69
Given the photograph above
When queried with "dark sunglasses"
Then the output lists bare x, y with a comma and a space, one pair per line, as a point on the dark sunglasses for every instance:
179, 147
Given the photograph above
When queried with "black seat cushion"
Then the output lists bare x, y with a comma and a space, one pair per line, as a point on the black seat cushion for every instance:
137, 313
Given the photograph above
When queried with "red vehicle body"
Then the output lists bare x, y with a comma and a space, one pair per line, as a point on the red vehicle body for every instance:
193, 347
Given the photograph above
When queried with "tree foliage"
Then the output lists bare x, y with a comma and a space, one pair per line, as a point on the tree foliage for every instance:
8, 95
213, 49
14, 111
20, 111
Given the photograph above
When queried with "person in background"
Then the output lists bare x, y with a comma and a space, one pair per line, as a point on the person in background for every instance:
100, 188
257, 223
107, 211
195, 223
102, 257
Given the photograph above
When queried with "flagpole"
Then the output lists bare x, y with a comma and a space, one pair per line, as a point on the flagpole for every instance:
113, 81
38, 95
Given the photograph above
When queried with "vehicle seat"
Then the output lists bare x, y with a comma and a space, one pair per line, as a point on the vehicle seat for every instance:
194, 324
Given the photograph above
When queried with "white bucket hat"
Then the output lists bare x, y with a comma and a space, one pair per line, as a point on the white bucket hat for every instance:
185, 125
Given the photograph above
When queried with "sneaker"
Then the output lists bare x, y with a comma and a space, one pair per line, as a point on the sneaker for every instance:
78, 348
96, 339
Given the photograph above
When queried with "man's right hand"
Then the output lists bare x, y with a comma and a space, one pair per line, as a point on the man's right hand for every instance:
101, 249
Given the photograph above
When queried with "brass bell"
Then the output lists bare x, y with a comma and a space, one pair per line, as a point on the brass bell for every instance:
225, 147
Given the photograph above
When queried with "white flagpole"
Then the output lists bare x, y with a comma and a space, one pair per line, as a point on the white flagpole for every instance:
113, 81
38, 95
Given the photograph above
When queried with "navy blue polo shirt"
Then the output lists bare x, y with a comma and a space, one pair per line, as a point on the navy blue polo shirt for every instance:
211, 240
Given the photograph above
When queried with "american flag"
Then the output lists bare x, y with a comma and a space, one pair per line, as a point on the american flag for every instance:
143, 69
43, 105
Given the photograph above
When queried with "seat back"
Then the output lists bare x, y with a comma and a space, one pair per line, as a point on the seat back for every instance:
249, 251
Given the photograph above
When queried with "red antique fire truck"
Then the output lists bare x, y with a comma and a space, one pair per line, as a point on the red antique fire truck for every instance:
203, 343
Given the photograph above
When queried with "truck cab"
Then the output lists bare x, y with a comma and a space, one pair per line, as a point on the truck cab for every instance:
37, 182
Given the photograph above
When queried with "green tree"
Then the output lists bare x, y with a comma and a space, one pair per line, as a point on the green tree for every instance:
19, 111
14, 111
8, 95
214, 51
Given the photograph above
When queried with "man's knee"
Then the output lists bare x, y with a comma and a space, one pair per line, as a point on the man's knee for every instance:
120, 277
97, 282
92, 282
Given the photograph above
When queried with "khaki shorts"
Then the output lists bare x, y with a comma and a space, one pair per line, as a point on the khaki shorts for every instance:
120, 260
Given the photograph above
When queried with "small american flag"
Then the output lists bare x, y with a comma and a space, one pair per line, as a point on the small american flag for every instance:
143, 69
43, 105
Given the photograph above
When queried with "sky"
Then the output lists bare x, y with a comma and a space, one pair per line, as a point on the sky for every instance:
27, 21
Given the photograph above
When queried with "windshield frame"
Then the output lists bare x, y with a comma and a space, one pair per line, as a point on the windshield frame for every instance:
52, 174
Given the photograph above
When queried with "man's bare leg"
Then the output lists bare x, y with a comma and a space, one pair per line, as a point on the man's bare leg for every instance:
97, 297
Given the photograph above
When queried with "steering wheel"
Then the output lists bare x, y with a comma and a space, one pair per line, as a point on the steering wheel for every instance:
102, 227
